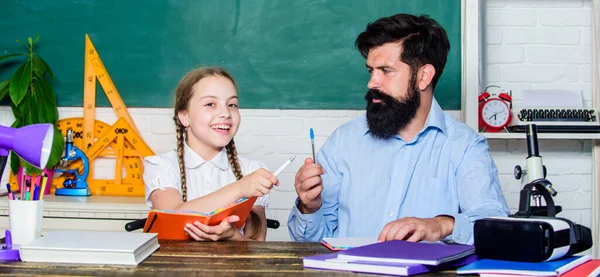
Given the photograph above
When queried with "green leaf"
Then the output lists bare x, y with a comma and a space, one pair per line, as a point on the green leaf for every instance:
10, 56
23, 109
30, 168
58, 145
20, 83
15, 163
30, 40
41, 67
34, 111
17, 124
36, 40
4, 88
46, 88
15, 111
25, 44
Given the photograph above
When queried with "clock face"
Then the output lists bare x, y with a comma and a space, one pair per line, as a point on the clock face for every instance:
495, 113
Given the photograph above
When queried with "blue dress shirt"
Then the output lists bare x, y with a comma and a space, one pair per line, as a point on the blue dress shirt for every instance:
446, 169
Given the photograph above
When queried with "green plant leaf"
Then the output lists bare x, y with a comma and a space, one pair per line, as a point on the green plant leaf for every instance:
4, 85
30, 40
30, 168
15, 163
17, 124
42, 67
58, 146
15, 111
10, 56
20, 83
22, 109
45, 87
36, 40
34, 111
39, 102
25, 44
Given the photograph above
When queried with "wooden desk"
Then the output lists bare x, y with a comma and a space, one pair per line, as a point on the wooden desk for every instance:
203, 259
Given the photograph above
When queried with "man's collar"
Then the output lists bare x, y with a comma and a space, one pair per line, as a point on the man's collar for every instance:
435, 118
193, 160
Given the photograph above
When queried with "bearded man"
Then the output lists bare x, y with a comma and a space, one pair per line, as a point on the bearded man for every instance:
407, 170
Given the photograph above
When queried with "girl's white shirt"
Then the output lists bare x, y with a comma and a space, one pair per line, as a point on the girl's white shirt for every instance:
203, 177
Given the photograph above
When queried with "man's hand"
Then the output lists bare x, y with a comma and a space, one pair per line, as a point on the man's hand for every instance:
416, 229
309, 186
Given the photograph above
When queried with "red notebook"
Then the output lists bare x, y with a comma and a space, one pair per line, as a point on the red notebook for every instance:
169, 224
583, 270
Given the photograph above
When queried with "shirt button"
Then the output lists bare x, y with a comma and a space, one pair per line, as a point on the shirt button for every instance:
391, 214
310, 221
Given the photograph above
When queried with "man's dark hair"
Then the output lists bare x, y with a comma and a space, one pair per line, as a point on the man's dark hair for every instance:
423, 40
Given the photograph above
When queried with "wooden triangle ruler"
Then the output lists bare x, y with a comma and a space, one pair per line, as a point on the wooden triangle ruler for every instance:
120, 141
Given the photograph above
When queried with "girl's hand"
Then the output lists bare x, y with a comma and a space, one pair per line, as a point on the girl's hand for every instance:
224, 231
258, 183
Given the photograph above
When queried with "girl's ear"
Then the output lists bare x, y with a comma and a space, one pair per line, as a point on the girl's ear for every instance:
183, 118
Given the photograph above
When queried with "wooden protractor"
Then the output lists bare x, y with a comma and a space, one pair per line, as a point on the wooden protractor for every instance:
131, 184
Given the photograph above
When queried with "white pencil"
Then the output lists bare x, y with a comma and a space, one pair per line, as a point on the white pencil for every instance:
284, 165
595, 273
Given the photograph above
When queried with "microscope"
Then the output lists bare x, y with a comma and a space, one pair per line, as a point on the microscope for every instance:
536, 184
533, 233
76, 184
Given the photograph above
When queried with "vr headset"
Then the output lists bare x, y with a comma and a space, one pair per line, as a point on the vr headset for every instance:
528, 238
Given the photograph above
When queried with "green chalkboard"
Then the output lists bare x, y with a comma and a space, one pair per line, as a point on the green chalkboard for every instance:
284, 54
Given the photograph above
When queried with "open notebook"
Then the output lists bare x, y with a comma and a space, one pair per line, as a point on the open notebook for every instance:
169, 224
89, 247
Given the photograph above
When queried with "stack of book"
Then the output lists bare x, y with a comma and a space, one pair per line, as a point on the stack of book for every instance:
395, 258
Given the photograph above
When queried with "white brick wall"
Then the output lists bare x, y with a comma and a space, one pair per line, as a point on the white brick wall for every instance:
527, 44
536, 44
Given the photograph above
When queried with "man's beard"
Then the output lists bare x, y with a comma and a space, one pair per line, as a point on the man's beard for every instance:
388, 117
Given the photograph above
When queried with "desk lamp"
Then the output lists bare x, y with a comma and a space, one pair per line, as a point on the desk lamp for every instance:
32, 143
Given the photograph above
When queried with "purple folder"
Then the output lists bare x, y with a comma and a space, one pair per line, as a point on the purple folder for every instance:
398, 251
330, 262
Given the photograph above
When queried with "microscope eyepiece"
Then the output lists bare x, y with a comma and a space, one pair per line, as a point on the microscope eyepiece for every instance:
532, 141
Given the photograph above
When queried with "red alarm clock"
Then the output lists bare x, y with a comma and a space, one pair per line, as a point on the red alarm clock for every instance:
494, 110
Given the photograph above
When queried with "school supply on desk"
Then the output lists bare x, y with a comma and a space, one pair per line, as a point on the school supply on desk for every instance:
400, 251
337, 244
552, 268
169, 224
7, 252
110, 248
584, 270
331, 262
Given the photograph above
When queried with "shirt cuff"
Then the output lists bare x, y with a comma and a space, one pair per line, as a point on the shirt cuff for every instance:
302, 226
463, 229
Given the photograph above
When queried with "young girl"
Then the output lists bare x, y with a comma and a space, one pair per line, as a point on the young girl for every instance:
205, 173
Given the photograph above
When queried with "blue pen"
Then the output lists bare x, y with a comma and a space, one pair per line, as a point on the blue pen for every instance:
8, 188
312, 142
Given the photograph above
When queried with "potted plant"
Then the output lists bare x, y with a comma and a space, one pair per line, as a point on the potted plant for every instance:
32, 100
